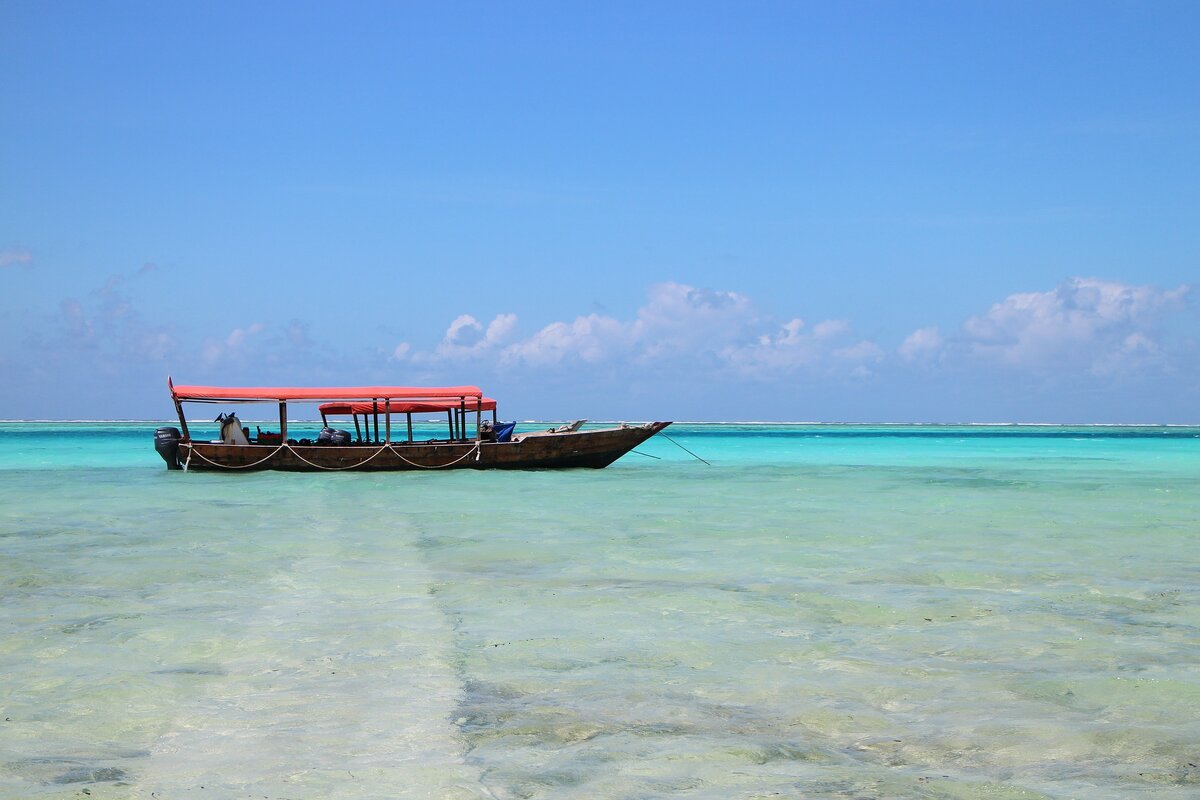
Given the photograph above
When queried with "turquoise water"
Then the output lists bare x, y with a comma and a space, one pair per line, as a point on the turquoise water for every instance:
824, 612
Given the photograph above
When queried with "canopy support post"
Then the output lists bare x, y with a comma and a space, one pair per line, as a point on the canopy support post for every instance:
409, 416
182, 421
283, 420
387, 420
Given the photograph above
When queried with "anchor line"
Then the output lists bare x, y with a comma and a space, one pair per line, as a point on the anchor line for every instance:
681, 447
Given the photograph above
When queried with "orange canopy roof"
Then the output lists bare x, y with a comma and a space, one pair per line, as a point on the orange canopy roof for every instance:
408, 406
216, 394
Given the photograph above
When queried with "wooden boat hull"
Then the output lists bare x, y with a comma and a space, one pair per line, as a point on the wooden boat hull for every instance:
541, 450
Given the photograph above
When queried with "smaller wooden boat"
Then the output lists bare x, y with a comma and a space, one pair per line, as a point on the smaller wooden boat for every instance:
379, 442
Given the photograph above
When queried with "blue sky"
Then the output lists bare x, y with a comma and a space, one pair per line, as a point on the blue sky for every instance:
796, 211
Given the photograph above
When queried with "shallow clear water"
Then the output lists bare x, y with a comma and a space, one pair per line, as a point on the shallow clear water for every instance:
824, 612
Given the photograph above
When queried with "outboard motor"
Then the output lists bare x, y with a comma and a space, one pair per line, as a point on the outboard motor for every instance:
333, 436
166, 442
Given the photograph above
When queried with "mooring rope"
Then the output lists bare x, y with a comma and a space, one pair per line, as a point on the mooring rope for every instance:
339, 469
476, 450
681, 447
192, 450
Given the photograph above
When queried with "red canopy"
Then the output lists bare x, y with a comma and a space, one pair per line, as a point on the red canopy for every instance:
217, 394
408, 406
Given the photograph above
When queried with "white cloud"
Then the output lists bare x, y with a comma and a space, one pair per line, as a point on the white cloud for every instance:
923, 343
830, 328
860, 352
679, 326
676, 321
238, 336
156, 344
1137, 350
789, 334
233, 346
1138, 343
466, 338
1088, 324
464, 331
827, 347
682, 319
1085, 319
499, 328
590, 339
15, 256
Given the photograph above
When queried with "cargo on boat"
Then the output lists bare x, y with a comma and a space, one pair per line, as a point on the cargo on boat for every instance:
383, 438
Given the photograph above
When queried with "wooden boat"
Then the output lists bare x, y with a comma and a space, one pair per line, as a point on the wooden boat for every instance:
376, 443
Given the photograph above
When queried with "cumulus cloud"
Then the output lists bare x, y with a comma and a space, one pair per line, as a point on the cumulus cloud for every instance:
589, 339
232, 346
921, 344
1083, 325
15, 256
680, 335
828, 347
1086, 320
464, 331
678, 327
466, 338
500, 327
830, 328
681, 319
237, 337
677, 321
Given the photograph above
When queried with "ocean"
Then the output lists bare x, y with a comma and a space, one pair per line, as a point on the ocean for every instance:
950, 612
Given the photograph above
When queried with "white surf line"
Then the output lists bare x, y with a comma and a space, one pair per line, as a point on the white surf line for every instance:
340, 686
